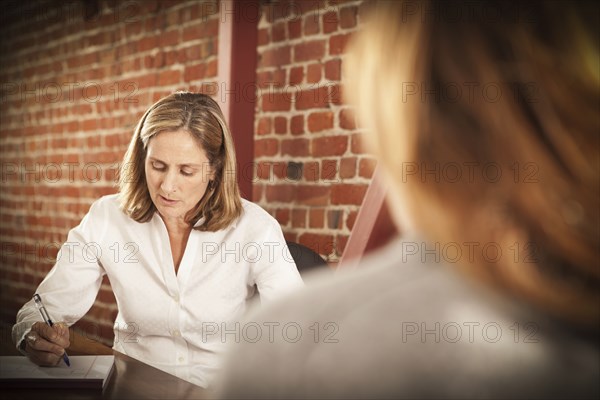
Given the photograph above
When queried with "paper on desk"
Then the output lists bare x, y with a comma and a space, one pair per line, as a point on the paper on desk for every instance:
83, 368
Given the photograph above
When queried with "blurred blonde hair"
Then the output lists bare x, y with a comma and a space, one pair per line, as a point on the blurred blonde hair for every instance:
541, 134
201, 116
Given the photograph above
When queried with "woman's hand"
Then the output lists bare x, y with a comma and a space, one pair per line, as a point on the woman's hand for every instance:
46, 344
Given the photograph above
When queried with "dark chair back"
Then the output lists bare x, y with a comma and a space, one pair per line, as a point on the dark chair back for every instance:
305, 258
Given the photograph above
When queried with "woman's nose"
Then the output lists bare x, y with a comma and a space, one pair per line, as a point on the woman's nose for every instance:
169, 182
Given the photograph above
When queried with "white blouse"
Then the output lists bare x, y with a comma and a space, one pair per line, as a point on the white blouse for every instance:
179, 323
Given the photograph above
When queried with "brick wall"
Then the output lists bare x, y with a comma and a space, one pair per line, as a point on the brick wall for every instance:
311, 171
76, 76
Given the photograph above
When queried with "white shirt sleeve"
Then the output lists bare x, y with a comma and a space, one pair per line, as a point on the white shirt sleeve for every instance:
275, 273
71, 286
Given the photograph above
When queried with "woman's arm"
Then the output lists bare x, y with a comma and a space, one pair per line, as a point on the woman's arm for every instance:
275, 273
69, 289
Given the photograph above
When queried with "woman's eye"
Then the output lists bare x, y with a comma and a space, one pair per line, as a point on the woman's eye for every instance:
186, 173
157, 167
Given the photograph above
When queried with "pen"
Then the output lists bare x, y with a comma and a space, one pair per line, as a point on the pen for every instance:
46, 317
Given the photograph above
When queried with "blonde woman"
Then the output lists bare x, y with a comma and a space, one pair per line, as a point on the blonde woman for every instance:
484, 116
183, 252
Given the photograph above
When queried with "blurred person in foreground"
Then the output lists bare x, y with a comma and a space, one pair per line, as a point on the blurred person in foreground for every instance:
184, 253
492, 292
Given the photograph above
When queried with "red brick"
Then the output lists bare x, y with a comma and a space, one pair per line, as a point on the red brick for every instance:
348, 17
357, 145
275, 57
333, 70
194, 72
311, 171
113, 140
171, 57
329, 169
170, 38
347, 119
313, 195
211, 68
313, 73
276, 101
280, 169
276, 10
282, 215
320, 121
145, 81
264, 79
279, 78
307, 51
263, 126
319, 243
295, 28
316, 218
335, 94
335, 218
147, 43
280, 125
189, 53
263, 37
106, 296
351, 219
297, 125
312, 98
337, 43
265, 147
295, 147
348, 168
329, 146
169, 77
263, 170
340, 245
299, 218
278, 32
89, 125
290, 237
280, 193
296, 75
367, 167
306, 6
204, 29
348, 193
330, 22
133, 28
257, 192
311, 25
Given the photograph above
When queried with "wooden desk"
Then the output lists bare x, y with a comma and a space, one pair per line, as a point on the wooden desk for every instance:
131, 379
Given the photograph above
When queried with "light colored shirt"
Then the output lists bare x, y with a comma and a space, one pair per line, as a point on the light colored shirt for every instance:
177, 322
407, 326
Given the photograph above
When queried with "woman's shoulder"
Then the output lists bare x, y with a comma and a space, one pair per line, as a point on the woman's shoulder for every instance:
256, 215
108, 202
404, 316
106, 207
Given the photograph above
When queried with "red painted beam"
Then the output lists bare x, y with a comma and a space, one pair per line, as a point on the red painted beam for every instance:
238, 36
373, 227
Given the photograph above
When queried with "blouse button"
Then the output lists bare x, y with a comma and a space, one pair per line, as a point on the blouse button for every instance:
176, 333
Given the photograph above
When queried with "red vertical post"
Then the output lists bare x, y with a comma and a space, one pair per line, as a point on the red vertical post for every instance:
238, 35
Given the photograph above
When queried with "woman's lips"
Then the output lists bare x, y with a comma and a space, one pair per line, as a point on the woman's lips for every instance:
167, 201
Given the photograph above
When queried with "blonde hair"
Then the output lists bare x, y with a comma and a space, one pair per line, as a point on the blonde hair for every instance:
546, 64
201, 116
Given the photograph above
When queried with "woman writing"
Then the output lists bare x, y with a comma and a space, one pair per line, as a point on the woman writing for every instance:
182, 250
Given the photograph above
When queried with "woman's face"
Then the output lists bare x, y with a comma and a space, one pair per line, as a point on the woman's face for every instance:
177, 173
